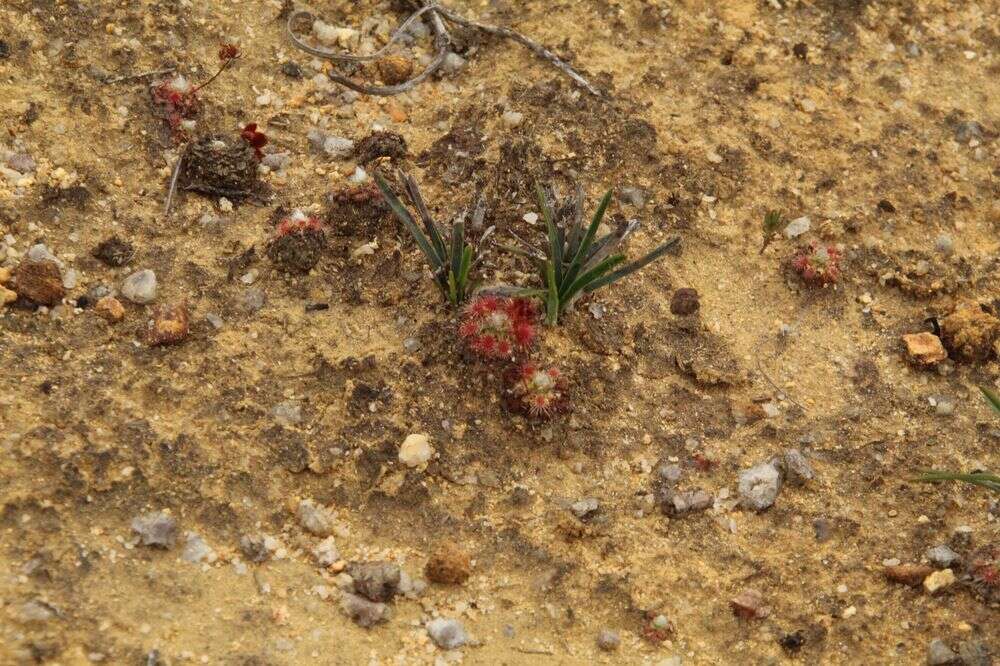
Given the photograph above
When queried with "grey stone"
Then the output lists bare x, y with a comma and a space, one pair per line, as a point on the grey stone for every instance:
944, 244
22, 163
140, 287
315, 518
288, 413
939, 654
326, 552
975, 653
254, 548
364, 613
452, 63
196, 550
156, 529
36, 611
377, 581
967, 130
759, 486
447, 634
634, 196
583, 508
253, 300
797, 227
797, 469
942, 556
608, 640
688, 502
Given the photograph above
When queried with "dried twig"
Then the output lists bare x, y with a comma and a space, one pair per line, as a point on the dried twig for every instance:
442, 42
781, 391
529, 44
173, 184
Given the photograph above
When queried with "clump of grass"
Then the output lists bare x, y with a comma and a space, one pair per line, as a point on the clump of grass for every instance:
451, 260
984, 479
575, 262
773, 223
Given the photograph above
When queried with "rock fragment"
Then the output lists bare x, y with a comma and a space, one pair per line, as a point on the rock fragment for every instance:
168, 325
376, 581
415, 450
157, 529
447, 634
315, 518
363, 612
759, 486
924, 349
39, 281
449, 565
140, 287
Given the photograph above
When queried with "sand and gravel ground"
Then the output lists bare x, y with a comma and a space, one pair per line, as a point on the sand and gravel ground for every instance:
878, 121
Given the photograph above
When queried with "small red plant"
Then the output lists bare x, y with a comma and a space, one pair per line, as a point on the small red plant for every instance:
179, 99
297, 223
255, 138
496, 327
535, 390
817, 264
984, 572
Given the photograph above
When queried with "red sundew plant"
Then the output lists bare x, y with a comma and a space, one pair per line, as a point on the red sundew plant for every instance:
255, 138
536, 390
297, 223
984, 572
495, 327
817, 264
179, 98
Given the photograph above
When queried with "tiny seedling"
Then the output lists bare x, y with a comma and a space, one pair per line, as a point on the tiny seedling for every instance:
451, 261
984, 479
576, 262
773, 223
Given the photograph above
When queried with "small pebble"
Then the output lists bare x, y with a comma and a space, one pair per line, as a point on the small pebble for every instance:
797, 227
140, 287
363, 612
608, 640
415, 450
939, 654
583, 508
447, 634
315, 518
759, 486
939, 580
942, 556
156, 529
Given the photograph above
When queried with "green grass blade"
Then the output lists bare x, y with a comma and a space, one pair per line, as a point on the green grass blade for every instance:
432, 231
992, 398
632, 267
452, 289
583, 252
399, 210
463, 273
555, 247
590, 276
576, 227
991, 481
457, 245
552, 303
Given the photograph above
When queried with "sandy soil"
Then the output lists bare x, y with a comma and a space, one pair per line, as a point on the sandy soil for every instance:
856, 114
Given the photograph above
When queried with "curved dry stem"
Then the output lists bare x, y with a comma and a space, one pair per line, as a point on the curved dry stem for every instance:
529, 44
348, 57
442, 40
